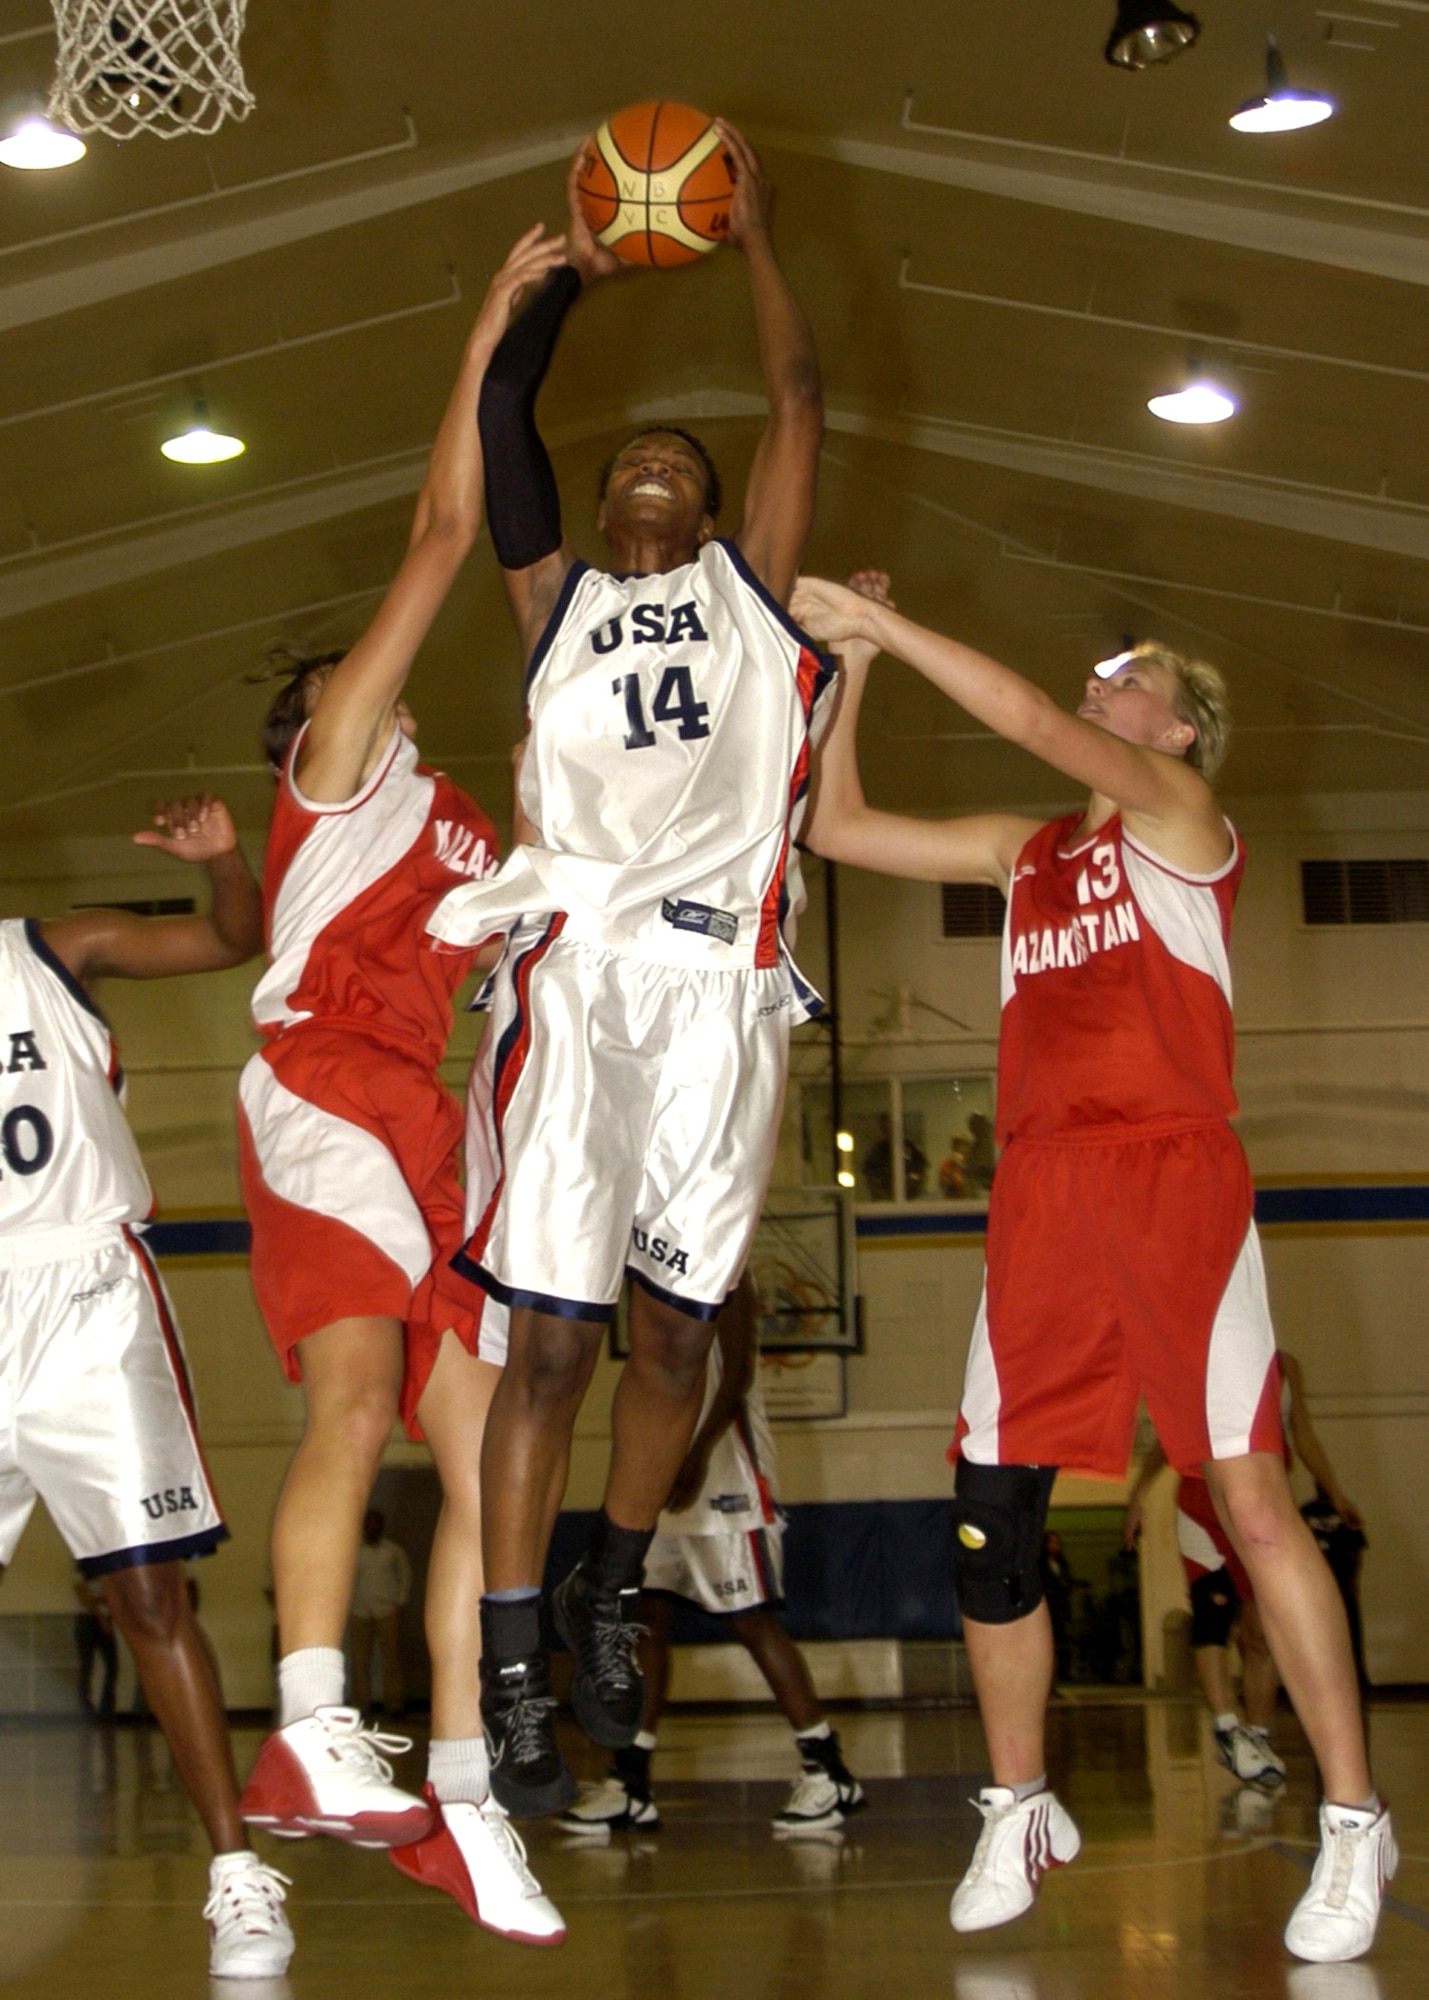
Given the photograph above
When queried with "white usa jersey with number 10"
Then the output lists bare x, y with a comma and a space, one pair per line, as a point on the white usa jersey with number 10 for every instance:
671, 722
68, 1159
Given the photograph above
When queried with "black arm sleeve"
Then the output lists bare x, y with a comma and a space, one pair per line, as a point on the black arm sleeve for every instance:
523, 508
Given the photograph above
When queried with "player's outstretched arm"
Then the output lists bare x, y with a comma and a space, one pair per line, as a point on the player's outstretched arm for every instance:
736, 1333
94, 944
353, 717
523, 504
842, 826
1308, 1448
779, 499
1173, 802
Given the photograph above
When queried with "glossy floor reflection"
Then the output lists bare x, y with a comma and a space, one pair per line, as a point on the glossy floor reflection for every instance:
1179, 1894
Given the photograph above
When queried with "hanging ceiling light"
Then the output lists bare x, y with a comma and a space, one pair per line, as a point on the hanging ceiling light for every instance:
1104, 669
1149, 31
35, 144
1281, 109
1201, 401
199, 444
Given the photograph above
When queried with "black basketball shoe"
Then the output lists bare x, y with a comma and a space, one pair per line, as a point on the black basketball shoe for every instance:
606, 1689
529, 1776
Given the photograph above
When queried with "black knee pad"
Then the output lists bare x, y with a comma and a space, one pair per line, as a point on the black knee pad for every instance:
999, 1515
1213, 1609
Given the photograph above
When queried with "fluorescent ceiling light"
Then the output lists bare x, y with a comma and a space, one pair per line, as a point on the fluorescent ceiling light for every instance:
1199, 402
35, 145
199, 445
1146, 32
1281, 109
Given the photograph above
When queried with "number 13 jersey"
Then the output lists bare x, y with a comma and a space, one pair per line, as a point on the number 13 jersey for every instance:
671, 720
67, 1156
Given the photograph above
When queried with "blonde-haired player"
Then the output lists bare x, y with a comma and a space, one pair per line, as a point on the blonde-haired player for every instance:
1122, 1259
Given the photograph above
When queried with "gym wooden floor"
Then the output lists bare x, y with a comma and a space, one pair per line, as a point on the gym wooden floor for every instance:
1180, 1892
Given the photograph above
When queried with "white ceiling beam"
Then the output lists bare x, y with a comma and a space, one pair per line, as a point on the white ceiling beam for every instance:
31, 300
94, 563
1246, 224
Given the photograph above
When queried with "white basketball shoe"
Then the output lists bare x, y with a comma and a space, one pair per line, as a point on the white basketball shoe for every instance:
476, 1856
1337, 1916
248, 1933
1247, 1753
328, 1774
1017, 1845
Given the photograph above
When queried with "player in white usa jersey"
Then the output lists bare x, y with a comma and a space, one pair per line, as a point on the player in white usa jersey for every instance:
635, 1059
96, 1413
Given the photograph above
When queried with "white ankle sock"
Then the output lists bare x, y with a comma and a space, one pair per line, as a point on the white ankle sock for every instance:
1029, 1789
645, 1739
1225, 1723
458, 1770
309, 1679
816, 1732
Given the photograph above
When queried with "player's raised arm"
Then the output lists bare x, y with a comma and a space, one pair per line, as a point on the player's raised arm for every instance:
523, 505
842, 826
779, 500
1133, 752
96, 943
353, 716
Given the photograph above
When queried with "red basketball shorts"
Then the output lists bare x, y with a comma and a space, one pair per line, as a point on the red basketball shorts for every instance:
348, 1152
1121, 1264
1204, 1544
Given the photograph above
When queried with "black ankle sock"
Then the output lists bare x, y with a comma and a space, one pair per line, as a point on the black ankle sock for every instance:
632, 1767
511, 1628
616, 1558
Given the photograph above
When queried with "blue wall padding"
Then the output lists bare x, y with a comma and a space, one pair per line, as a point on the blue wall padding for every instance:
853, 1569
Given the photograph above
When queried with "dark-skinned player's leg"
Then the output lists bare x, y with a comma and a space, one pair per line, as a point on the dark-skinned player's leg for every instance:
150, 1605
825, 1791
525, 1456
652, 1419
248, 1932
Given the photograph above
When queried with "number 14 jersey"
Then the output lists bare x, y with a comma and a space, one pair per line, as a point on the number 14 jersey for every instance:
671, 720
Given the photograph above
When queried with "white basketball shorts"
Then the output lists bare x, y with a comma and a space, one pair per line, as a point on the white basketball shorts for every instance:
621, 1115
728, 1571
96, 1412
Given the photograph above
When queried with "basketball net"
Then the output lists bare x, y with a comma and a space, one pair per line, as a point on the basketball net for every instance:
161, 66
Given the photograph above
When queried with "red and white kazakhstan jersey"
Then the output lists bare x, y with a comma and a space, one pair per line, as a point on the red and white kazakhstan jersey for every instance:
348, 889
1116, 986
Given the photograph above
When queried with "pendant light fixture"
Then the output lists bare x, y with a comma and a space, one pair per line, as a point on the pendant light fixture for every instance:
1281, 109
34, 144
1147, 32
200, 444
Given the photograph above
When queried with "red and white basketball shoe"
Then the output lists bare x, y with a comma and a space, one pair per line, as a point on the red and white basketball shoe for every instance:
476, 1856
1017, 1845
327, 1774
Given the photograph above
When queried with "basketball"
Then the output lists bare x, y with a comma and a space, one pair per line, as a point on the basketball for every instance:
655, 184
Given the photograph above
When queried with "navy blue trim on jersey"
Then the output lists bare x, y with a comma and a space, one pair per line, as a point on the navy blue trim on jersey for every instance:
541, 1302
552, 626
691, 1308
61, 971
179, 1550
827, 663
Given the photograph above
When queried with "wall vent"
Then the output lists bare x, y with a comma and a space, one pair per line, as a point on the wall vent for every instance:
972, 909
1365, 892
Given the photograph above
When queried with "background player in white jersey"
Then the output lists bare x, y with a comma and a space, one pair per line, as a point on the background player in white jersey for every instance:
720, 1544
349, 1146
637, 1047
96, 1410
1121, 1254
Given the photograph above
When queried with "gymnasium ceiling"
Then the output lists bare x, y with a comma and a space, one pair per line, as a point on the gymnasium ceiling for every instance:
1004, 245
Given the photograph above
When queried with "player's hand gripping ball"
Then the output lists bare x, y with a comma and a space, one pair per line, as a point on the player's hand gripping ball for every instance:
655, 184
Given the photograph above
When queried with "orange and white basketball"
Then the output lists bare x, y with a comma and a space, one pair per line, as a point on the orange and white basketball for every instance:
655, 184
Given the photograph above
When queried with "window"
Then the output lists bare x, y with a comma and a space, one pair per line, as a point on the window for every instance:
1365, 892
972, 909
911, 1138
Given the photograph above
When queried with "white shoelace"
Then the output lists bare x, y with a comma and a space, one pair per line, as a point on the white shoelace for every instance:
361, 1749
984, 1839
251, 1897
511, 1845
1346, 1839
